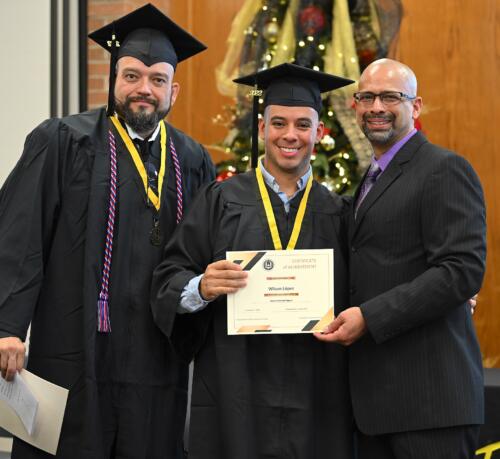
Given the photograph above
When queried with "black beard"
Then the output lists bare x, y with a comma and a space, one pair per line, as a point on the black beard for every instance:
141, 122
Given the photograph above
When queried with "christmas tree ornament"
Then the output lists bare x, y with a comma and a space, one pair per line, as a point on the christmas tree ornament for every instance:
328, 142
224, 175
312, 20
271, 32
225, 170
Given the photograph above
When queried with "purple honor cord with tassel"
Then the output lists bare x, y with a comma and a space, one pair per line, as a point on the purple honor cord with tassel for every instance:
103, 322
178, 182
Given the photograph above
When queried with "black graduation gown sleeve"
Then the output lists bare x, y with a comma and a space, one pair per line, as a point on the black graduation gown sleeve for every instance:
186, 256
29, 204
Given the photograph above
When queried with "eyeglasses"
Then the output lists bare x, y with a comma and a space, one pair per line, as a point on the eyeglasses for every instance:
387, 98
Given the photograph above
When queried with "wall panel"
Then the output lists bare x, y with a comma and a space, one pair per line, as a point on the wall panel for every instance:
454, 48
25, 81
199, 101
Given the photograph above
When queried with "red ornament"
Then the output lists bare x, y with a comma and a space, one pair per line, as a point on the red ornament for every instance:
312, 20
417, 124
224, 175
366, 56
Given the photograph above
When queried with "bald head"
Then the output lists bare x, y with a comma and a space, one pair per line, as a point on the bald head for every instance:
392, 72
385, 123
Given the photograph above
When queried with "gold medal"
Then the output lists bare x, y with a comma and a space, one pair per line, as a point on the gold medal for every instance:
155, 235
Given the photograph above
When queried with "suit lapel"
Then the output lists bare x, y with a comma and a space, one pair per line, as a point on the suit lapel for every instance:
392, 173
380, 186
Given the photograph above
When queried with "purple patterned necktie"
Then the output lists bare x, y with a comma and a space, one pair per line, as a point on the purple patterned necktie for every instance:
370, 179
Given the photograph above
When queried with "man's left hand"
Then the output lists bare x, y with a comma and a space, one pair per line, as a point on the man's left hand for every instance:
473, 303
347, 327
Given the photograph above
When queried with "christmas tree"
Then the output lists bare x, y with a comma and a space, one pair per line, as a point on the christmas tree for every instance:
336, 36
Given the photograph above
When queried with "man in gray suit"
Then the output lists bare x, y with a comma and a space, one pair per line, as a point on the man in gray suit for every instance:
417, 236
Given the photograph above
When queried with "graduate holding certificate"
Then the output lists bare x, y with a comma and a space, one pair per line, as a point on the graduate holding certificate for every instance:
263, 394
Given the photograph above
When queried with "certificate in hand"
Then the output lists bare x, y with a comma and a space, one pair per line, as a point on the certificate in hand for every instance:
288, 291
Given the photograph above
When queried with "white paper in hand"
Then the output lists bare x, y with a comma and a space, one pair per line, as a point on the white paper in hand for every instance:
18, 396
49, 416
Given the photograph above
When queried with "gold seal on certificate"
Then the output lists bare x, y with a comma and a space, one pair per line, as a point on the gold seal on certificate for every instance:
288, 291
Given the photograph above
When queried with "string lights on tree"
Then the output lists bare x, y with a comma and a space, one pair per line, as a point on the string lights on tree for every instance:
335, 36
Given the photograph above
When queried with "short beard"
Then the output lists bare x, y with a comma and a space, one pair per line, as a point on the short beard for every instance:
142, 122
377, 137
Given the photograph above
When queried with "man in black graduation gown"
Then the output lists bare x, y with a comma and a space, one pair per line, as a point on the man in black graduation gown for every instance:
272, 396
84, 217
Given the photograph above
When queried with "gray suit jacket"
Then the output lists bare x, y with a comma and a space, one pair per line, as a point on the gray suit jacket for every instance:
418, 248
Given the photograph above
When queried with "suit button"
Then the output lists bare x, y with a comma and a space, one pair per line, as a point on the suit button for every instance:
354, 249
352, 290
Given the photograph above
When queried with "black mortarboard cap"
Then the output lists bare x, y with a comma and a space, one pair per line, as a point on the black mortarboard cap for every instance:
148, 35
289, 85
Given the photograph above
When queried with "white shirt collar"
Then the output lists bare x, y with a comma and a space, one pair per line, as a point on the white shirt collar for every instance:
133, 135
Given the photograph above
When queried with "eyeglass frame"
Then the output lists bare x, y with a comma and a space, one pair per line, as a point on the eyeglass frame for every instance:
402, 96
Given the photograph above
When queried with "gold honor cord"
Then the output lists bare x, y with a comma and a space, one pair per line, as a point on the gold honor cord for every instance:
155, 200
270, 214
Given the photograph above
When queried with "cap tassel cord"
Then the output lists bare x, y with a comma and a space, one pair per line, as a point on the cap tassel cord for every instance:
255, 127
113, 44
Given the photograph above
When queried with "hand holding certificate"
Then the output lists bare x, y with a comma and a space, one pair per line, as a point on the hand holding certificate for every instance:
288, 291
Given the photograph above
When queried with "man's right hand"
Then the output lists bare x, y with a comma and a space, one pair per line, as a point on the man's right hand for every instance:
221, 278
12, 352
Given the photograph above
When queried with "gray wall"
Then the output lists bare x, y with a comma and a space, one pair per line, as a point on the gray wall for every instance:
25, 79
25, 75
